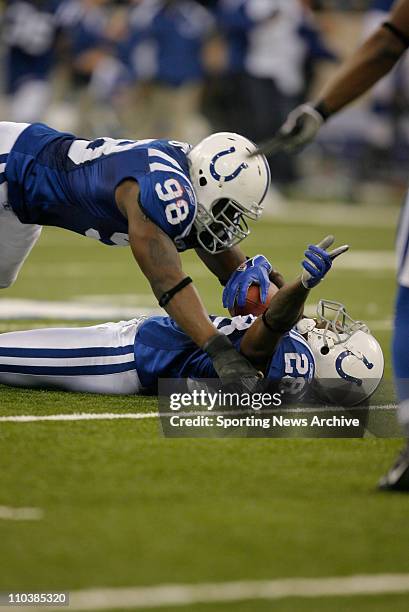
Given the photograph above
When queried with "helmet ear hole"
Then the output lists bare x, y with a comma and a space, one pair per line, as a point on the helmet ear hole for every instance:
324, 350
202, 181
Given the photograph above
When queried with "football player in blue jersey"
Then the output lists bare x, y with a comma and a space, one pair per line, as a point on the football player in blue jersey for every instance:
29, 31
367, 65
157, 196
130, 357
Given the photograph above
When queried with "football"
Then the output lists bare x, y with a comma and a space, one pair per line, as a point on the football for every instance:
253, 303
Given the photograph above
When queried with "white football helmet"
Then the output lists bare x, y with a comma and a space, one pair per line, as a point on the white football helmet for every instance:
349, 361
230, 187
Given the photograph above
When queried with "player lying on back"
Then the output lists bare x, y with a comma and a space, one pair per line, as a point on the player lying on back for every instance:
158, 197
130, 357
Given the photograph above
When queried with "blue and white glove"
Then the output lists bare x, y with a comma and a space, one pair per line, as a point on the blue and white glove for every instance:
318, 261
254, 271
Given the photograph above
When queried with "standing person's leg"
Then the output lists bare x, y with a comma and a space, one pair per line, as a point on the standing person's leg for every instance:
97, 359
398, 477
16, 239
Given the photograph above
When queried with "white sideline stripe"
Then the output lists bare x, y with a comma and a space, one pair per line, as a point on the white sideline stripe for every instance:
189, 594
111, 416
70, 310
368, 260
7, 513
328, 213
80, 416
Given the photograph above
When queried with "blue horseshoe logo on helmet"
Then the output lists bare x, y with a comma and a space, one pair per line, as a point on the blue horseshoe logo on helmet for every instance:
343, 374
229, 177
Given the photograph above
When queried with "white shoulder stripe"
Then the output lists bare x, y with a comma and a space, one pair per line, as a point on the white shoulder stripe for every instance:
296, 336
168, 158
162, 168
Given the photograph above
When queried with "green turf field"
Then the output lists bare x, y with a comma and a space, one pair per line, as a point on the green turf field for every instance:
123, 507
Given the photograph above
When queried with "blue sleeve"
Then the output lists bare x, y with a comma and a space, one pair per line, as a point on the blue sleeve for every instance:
168, 199
234, 20
292, 359
381, 5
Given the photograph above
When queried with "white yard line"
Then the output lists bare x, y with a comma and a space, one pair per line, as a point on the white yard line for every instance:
81, 416
7, 513
368, 260
70, 310
189, 594
340, 215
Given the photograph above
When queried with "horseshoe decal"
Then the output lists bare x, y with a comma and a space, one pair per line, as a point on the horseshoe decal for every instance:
343, 374
230, 177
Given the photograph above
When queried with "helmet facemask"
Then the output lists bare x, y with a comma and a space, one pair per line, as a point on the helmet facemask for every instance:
333, 317
222, 227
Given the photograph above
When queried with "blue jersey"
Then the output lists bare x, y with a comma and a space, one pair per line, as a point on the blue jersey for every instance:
29, 33
175, 33
163, 350
57, 179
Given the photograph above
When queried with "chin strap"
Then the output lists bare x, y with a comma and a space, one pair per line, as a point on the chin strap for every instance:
168, 295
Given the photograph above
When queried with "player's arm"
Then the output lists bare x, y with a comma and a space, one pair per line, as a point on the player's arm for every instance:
159, 260
285, 309
373, 60
222, 264
370, 62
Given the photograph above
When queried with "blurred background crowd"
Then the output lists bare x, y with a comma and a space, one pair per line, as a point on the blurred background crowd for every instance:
181, 69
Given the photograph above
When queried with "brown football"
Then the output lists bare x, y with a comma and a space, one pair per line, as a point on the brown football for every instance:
253, 303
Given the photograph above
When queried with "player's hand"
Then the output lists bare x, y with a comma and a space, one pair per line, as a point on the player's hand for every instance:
300, 128
230, 366
318, 261
254, 271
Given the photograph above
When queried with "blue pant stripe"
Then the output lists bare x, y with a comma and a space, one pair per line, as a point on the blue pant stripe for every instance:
54, 353
95, 370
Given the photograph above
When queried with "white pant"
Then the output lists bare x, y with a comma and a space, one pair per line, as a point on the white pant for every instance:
16, 239
98, 359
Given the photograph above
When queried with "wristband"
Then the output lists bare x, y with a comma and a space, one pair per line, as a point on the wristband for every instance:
404, 39
168, 295
322, 109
